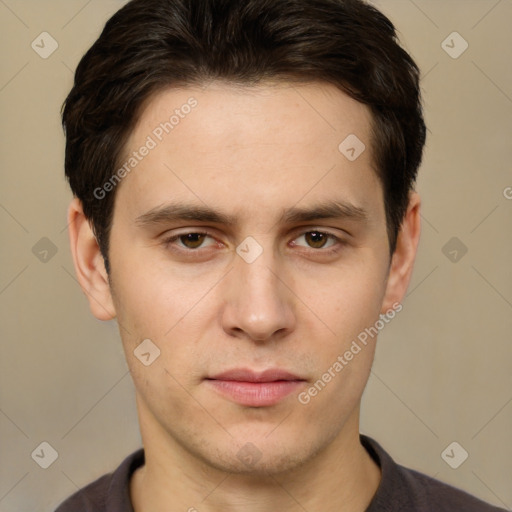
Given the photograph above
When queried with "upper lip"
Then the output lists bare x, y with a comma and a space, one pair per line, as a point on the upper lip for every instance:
247, 375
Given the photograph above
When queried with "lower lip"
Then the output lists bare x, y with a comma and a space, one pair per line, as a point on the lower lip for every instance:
256, 394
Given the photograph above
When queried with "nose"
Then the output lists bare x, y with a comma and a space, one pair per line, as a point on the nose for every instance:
258, 303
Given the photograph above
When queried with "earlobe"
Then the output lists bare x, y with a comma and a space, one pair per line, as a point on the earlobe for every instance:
89, 265
404, 256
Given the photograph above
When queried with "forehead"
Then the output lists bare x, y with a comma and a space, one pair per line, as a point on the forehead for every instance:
309, 112
231, 144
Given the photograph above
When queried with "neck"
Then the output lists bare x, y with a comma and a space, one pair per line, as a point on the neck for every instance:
173, 479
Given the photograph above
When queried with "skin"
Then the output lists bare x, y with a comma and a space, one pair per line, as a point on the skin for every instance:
250, 153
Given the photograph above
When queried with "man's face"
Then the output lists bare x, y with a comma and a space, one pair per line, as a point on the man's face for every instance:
290, 299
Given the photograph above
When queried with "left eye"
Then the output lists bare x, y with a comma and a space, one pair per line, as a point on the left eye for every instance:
317, 239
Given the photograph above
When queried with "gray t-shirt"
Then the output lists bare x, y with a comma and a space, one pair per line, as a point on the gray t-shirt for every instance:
400, 489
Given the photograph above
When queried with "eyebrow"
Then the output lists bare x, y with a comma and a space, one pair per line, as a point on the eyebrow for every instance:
182, 211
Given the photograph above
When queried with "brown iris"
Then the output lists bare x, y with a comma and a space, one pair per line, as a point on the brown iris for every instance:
315, 239
192, 240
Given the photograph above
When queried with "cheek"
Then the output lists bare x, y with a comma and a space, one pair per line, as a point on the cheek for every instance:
345, 300
153, 299
345, 352
162, 309
348, 304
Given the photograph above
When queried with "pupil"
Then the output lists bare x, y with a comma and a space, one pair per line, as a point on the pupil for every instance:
317, 239
193, 240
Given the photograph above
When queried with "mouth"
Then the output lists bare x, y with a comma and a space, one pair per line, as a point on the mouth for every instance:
255, 389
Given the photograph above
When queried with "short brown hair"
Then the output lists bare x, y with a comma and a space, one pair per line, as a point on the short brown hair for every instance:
149, 45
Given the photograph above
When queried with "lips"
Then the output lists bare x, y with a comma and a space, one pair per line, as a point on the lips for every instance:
255, 389
245, 375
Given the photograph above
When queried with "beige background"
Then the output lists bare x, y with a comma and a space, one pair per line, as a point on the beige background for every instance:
443, 366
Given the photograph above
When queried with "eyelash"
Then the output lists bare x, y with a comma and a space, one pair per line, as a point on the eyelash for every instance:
167, 242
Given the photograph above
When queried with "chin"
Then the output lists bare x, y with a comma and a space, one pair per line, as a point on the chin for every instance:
261, 458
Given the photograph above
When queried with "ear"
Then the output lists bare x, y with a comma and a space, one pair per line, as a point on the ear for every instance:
89, 265
404, 256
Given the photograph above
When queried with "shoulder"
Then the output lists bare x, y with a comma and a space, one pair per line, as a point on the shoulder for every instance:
403, 489
91, 498
441, 497
109, 493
